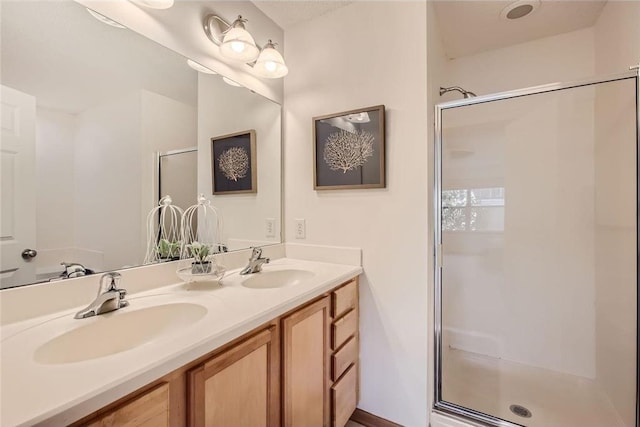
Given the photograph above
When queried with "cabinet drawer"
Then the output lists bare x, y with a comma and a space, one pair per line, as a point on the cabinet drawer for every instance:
344, 328
344, 299
344, 357
344, 397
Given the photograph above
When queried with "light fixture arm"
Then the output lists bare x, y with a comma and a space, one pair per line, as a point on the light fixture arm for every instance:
215, 28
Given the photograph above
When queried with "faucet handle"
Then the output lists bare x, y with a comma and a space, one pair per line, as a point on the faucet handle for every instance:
109, 282
256, 253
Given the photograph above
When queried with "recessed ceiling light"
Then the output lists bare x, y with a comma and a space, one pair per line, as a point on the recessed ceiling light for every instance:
519, 9
231, 82
104, 19
200, 68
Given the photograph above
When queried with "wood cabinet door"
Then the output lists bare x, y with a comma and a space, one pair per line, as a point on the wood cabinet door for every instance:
150, 409
239, 387
305, 337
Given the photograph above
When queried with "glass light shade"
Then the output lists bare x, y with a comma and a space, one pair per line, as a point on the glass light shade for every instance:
270, 63
155, 4
238, 45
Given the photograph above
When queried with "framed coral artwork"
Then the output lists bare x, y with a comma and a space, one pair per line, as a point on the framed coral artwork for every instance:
233, 163
348, 150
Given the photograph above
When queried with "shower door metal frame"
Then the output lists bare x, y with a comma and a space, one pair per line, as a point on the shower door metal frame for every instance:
449, 408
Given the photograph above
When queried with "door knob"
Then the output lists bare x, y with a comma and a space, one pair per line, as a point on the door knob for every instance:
29, 254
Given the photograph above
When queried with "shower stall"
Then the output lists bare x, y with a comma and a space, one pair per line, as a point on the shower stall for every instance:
536, 255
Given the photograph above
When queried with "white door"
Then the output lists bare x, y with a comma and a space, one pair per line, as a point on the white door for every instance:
17, 187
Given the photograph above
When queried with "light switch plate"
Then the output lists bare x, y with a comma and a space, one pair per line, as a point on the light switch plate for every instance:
301, 229
270, 227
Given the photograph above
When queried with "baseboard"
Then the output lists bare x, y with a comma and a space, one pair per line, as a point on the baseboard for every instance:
369, 420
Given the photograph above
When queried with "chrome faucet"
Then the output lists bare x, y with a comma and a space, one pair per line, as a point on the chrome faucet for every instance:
109, 298
255, 262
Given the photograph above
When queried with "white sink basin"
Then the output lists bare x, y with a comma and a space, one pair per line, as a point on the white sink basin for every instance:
118, 331
276, 279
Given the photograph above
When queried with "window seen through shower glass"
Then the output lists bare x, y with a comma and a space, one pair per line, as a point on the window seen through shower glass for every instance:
539, 277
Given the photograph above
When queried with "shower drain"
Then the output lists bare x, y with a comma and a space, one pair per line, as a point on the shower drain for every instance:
520, 411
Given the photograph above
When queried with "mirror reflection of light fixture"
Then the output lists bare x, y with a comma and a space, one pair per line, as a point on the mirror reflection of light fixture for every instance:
104, 19
236, 43
270, 63
200, 68
362, 117
155, 4
230, 82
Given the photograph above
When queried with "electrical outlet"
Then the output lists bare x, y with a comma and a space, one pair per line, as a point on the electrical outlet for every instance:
301, 229
270, 227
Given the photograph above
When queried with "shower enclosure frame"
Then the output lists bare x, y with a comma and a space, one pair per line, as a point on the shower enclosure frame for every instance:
449, 408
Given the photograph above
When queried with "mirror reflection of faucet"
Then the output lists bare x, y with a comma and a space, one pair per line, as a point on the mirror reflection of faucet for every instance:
74, 269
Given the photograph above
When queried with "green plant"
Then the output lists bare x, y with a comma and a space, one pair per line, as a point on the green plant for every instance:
199, 251
167, 249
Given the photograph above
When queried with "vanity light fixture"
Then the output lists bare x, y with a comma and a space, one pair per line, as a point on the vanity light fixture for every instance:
104, 19
200, 68
270, 63
237, 44
155, 4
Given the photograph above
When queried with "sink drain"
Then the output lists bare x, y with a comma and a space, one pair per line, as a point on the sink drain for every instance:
520, 411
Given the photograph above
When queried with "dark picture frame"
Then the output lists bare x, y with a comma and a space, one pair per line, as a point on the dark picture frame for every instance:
233, 163
349, 149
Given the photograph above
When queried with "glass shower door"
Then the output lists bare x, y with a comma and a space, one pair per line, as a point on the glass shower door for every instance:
537, 224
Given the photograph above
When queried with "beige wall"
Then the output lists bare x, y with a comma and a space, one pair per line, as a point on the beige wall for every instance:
338, 66
617, 47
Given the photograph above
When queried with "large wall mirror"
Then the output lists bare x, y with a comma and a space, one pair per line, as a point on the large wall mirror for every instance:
97, 122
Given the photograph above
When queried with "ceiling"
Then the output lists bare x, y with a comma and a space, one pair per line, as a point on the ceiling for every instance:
468, 26
289, 13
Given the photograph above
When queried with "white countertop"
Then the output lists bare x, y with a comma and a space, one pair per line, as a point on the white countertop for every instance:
33, 393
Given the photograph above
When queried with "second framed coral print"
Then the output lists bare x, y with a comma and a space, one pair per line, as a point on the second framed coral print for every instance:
348, 149
233, 163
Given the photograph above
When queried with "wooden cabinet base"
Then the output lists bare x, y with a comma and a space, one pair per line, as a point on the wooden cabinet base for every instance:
247, 383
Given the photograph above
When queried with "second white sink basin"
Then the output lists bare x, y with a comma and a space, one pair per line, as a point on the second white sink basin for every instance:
276, 279
118, 331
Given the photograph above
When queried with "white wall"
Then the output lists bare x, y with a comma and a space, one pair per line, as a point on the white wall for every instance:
107, 192
223, 110
561, 58
337, 66
55, 195
617, 36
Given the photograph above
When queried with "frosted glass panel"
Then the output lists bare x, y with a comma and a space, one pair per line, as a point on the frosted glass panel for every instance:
539, 276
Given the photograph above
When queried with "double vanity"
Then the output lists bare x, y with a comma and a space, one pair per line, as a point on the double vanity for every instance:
274, 348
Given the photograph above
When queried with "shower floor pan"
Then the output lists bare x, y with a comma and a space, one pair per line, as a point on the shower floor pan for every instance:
500, 388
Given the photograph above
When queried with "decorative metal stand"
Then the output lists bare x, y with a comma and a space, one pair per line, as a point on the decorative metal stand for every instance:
163, 232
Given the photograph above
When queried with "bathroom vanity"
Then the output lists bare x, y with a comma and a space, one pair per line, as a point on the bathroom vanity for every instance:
276, 348
305, 362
